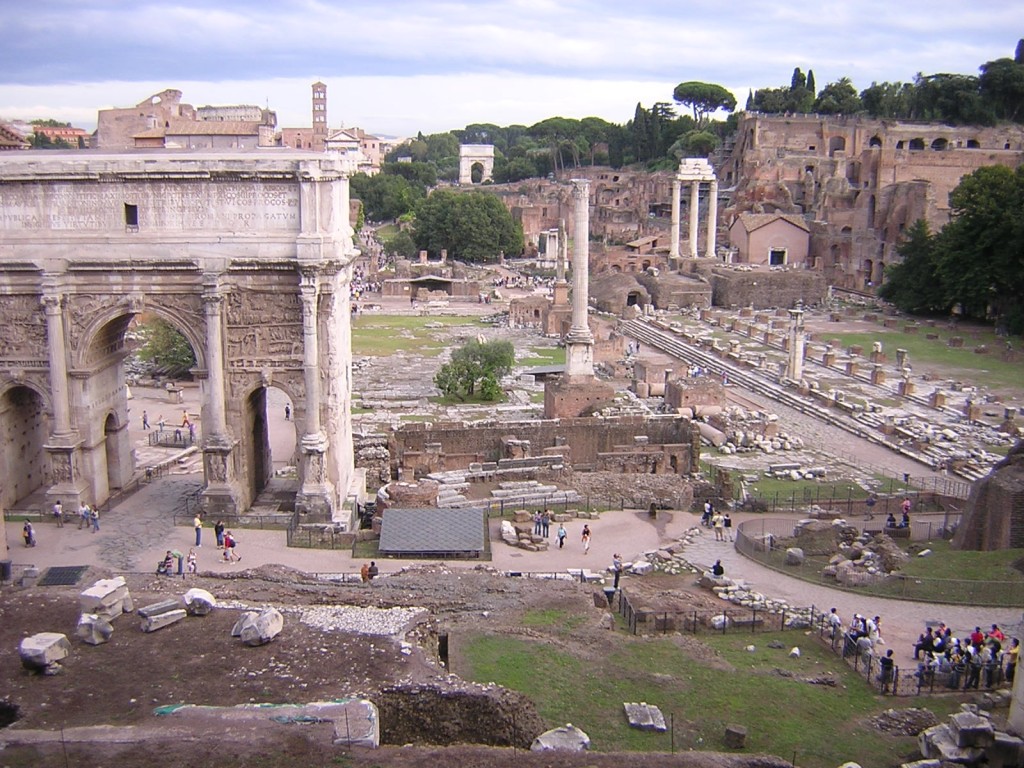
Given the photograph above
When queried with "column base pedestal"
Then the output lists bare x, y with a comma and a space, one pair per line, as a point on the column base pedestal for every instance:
571, 396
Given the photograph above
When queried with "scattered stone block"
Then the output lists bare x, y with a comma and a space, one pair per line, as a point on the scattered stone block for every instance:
735, 736
199, 602
43, 651
160, 620
108, 598
644, 716
164, 606
357, 725
261, 628
246, 618
93, 629
794, 556
568, 738
971, 730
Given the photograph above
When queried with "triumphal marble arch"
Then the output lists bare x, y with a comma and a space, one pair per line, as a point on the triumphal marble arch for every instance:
246, 254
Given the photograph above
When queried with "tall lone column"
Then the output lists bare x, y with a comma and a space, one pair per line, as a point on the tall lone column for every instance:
795, 369
579, 341
673, 253
694, 216
709, 252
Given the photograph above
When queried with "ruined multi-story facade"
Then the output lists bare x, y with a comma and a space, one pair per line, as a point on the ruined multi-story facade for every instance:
858, 182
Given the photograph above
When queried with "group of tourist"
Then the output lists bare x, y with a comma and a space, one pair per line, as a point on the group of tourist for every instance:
719, 522
369, 571
966, 661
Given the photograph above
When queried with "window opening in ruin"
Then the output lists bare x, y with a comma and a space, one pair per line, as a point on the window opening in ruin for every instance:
940, 144
875, 142
811, 148
776, 257
871, 211
632, 299
973, 144
836, 144
899, 144
809, 169
916, 144
131, 217
615, 178
1006, 145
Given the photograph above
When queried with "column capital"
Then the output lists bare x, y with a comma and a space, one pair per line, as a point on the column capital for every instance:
52, 303
213, 300
581, 189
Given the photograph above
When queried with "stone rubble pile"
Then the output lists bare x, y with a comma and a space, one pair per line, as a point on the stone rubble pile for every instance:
867, 560
969, 738
258, 628
360, 620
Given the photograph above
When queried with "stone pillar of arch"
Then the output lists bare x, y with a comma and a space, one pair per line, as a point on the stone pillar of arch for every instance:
315, 496
221, 495
62, 446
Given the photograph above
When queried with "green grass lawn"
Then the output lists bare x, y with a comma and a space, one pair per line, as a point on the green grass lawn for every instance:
823, 726
988, 370
384, 335
543, 356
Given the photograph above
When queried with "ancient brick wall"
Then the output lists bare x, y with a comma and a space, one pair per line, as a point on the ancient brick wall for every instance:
581, 440
763, 289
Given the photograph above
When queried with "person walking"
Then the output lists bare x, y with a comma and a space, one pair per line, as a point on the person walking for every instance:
218, 530
28, 533
561, 534
197, 523
545, 524
718, 523
229, 549
727, 525
585, 537
94, 517
145, 421
58, 513
287, 412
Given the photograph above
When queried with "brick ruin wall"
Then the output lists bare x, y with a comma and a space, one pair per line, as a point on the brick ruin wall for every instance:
585, 442
764, 289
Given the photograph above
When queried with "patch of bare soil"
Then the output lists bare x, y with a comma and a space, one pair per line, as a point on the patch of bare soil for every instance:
100, 709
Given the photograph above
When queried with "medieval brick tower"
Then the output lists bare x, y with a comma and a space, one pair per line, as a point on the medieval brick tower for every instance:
319, 116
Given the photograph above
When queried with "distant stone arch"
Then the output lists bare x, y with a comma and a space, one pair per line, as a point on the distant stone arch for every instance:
476, 154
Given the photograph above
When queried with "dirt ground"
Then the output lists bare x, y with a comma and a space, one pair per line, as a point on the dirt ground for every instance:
121, 683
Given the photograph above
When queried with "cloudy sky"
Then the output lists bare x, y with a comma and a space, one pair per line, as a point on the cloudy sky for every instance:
394, 67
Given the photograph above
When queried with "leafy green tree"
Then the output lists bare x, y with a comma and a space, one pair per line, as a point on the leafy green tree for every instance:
913, 284
166, 349
476, 367
471, 226
1002, 87
838, 98
422, 175
400, 245
704, 98
810, 82
695, 144
981, 249
385, 196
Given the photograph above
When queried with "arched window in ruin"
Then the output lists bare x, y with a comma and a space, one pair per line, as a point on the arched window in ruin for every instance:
916, 144
809, 169
876, 141
899, 144
973, 144
836, 144
835, 254
871, 211
869, 267
940, 144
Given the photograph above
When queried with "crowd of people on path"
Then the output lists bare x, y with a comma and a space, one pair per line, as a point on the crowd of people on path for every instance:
986, 658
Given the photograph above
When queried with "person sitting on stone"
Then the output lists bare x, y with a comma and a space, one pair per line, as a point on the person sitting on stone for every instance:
717, 569
925, 643
890, 521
